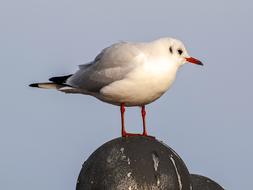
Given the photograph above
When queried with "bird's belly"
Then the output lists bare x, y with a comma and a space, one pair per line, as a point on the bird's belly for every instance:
136, 91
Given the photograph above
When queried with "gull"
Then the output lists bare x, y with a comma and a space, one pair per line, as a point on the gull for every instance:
127, 74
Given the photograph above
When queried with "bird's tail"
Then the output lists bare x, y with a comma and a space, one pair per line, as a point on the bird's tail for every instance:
47, 85
57, 83
60, 87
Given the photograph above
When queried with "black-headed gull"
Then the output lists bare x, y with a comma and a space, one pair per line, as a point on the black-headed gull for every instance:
127, 74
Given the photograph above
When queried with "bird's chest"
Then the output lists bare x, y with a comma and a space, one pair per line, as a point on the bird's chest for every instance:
149, 82
142, 86
155, 78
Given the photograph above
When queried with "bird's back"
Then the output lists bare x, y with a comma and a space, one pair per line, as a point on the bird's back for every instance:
112, 64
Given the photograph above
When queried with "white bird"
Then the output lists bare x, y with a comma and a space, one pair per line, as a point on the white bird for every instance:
127, 74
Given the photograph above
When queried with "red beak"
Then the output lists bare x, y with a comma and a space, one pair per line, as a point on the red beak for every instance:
194, 61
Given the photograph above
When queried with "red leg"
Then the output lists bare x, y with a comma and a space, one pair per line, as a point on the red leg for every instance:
122, 110
143, 114
123, 130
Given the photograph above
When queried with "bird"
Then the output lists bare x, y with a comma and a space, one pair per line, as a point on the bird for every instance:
127, 74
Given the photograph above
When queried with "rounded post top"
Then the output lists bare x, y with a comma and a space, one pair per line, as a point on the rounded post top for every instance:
134, 163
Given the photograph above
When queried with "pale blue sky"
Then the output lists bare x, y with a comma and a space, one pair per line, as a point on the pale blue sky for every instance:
206, 116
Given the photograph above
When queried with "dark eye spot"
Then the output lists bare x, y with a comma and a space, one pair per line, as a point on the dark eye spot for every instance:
179, 51
171, 50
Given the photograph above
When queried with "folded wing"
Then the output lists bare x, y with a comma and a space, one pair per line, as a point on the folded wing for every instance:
111, 65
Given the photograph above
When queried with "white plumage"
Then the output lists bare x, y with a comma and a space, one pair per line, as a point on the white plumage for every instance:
127, 73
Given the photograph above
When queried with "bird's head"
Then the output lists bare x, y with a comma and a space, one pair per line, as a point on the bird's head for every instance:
177, 52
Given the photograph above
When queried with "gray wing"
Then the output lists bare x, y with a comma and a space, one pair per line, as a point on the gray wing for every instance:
112, 64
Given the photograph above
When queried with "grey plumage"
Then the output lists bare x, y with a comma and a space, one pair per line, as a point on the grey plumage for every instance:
109, 66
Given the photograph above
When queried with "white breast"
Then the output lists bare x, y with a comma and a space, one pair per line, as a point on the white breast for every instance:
143, 85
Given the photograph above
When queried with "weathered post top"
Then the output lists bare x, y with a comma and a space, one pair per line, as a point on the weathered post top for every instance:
134, 163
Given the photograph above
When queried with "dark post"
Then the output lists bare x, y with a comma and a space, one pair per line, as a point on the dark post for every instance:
134, 163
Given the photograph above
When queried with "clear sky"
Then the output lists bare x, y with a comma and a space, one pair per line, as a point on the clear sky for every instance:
207, 116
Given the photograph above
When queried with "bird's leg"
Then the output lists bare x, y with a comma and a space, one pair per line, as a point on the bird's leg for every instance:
122, 110
143, 114
123, 130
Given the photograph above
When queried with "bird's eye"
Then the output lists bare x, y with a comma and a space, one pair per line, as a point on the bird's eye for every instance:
171, 50
179, 51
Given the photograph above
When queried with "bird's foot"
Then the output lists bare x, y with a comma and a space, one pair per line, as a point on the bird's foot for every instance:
145, 134
130, 134
136, 134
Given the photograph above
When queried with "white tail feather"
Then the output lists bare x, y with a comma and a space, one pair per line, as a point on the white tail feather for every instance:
48, 85
60, 87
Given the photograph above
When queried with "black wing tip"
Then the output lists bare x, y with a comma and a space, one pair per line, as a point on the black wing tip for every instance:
52, 79
59, 79
34, 85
